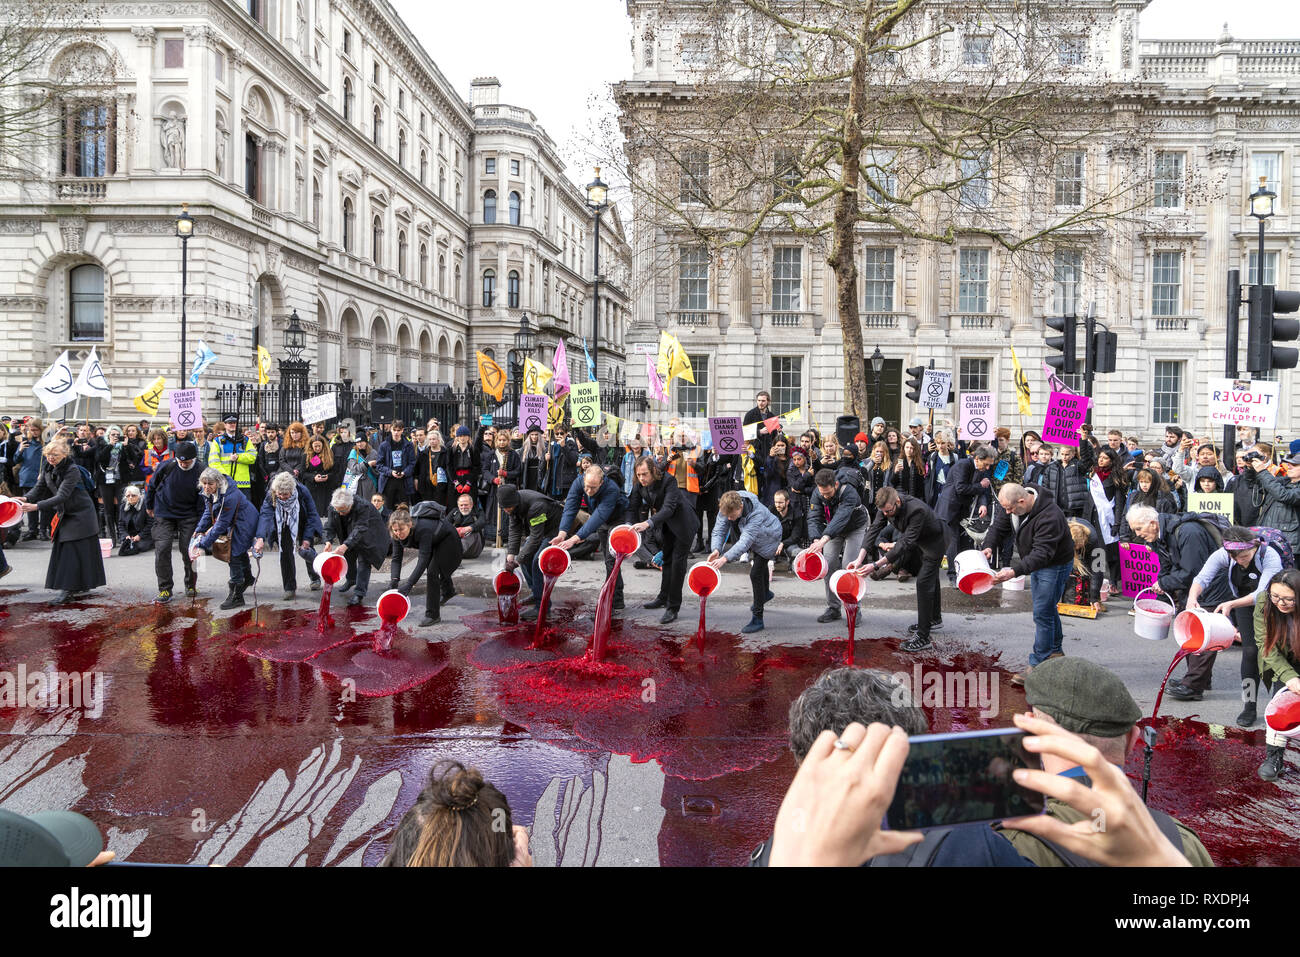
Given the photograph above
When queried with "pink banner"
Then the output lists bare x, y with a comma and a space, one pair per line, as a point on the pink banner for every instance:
560, 366
1139, 567
1065, 413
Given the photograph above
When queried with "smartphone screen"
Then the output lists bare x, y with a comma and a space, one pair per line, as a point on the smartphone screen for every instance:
963, 778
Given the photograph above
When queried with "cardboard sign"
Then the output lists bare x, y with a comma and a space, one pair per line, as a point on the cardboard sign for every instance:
1216, 503
978, 416
183, 409
1244, 402
1139, 567
584, 405
1076, 611
728, 434
935, 386
532, 412
1065, 413
320, 408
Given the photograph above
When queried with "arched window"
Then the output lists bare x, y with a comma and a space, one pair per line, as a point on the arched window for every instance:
490, 206
424, 265
349, 223
378, 126
377, 240
457, 206
442, 182
315, 201
515, 200
86, 303
512, 289
442, 274
401, 253
424, 167
348, 99
401, 148
489, 287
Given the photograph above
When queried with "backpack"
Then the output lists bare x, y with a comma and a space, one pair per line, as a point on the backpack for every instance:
428, 509
87, 482
1271, 536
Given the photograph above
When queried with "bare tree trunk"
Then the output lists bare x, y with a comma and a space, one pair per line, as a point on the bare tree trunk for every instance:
843, 258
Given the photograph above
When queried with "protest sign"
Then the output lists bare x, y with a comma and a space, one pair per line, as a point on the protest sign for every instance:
320, 408
728, 434
1244, 402
1139, 567
183, 409
1065, 413
584, 404
532, 412
1216, 503
934, 389
978, 416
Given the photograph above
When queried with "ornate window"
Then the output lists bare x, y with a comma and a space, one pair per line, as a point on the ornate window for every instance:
490, 206
86, 303
515, 201
89, 135
489, 287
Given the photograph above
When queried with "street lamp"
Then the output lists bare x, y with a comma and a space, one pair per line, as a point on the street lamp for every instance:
1261, 207
877, 363
525, 343
184, 230
295, 370
597, 202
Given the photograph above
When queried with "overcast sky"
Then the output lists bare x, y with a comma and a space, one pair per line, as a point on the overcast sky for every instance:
552, 56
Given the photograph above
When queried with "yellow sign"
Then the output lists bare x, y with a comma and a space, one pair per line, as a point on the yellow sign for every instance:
1022, 384
147, 401
263, 366
1216, 503
491, 377
555, 417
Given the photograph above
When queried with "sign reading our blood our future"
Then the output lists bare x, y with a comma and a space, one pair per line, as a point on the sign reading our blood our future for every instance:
1244, 402
1065, 413
1139, 568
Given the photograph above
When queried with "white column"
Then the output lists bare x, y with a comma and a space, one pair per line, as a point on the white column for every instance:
147, 132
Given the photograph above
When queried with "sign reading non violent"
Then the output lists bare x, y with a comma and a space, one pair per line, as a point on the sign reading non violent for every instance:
1244, 402
978, 419
584, 404
728, 434
934, 388
320, 408
1139, 568
183, 409
1065, 413
1216, 503
532, 412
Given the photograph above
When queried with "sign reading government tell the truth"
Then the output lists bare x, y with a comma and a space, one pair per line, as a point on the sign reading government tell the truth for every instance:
978, 418
1216, 503
1065, 413
934, 389
1244, 402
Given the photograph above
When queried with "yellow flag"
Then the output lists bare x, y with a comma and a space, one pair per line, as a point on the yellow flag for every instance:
263, 366
1022, 384
672, 360
491, 377
792, 415
536, 376
555, 416
611, 423
147, 401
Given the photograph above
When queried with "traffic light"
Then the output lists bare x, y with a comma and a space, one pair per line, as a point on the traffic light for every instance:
1064, 343
916, 375
1265, 329
1104, 347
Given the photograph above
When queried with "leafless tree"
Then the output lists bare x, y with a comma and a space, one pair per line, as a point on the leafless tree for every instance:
830, 119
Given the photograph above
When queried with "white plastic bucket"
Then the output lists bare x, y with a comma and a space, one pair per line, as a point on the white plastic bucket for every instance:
1015, 584
330, 567
624, 536
809, 566
1281, 712
508, 582
106, 547
974, 576
554, 561
1151, 616
392, 607
1201, 631
703, 579
11, 512
854, 586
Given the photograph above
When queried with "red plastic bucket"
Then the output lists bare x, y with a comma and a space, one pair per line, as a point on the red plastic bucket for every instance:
810, 566
553, 561
392, 607
624, 540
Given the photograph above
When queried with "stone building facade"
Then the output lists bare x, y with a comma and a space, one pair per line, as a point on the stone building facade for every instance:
332, 171
1220, 113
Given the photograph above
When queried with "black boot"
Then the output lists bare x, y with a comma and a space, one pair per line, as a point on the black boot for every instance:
1273, 764
1248, 711
235, 599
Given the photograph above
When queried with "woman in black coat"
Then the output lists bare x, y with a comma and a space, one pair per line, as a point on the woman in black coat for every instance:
440, 554
134, 526
909, 471
672, 520
115, 460
320, 474
76, 564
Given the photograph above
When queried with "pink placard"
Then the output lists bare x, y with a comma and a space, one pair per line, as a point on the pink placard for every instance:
1065, 413
1139, 567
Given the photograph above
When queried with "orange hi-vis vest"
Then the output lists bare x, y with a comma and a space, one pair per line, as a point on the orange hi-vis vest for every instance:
692, 480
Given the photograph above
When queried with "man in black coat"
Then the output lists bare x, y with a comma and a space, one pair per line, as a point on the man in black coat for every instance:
534, 518
968, 490
1046, 555
917, 549
173, 502
837, 522
672, 518
762, 410
363, 540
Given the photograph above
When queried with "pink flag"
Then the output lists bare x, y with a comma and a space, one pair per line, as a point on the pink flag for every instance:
560, 366
656, 387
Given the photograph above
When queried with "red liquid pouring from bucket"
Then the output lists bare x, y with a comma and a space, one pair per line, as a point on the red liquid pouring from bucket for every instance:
849, 589
623, 541
1182, 653
552, 562
392, 608
506, 586
702, 579
331, 569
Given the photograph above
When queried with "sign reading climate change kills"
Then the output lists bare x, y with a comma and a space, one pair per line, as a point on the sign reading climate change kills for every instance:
1244, 402
978, 417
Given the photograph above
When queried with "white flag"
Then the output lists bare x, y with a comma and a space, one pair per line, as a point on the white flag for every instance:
54, 388
91, 382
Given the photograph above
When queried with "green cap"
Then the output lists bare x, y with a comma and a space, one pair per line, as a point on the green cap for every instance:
1082, 696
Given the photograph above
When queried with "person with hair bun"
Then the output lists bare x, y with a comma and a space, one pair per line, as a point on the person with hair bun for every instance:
440, 553
459, 820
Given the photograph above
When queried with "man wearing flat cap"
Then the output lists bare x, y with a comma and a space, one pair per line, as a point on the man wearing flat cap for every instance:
1092, 702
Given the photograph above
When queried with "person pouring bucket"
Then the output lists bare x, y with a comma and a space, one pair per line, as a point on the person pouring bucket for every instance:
534, 519
76, 563
290, 519
226, 530
438, 546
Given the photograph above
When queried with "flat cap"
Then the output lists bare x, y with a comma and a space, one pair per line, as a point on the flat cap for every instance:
1082, 696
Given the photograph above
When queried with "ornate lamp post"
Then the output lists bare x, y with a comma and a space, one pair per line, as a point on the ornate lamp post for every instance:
184, 230
597, 202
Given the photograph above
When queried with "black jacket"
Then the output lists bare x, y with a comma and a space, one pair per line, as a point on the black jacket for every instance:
1078, 498
1042, 538
910, 481
1050, 477
60, 489
919, 534
1185, 544
843, 514
794, 529
173, 493
488, 464
362, 530
132, 522
533, 522
962, 492
462, 468
127, 463
426, 535
664, 506
1281, 508
1247, 498
475, 520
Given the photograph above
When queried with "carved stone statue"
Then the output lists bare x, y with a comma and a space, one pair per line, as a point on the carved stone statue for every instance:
173, 141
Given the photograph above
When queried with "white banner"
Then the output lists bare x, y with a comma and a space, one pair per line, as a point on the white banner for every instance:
54, 388
1244, 402
319, 408
91, 381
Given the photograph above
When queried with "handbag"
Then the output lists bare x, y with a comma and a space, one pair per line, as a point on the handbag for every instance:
977, 528
220, 547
